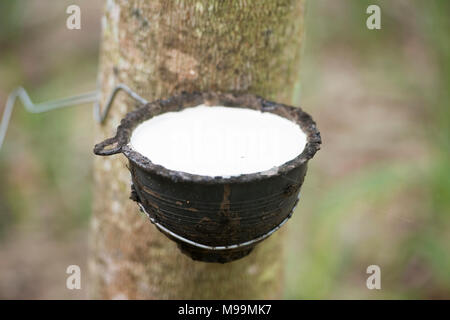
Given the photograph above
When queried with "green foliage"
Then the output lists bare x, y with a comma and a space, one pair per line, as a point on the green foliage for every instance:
396, 213
10, 23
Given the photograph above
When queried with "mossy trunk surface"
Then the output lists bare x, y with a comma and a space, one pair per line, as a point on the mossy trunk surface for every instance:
160, 48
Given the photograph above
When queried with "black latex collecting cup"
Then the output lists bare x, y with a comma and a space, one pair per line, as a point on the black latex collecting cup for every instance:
214, 219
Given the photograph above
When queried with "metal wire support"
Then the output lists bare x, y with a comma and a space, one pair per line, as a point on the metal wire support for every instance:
100, 116
217, 248
89, 97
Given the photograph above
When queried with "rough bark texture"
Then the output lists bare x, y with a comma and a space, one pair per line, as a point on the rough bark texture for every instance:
163, 47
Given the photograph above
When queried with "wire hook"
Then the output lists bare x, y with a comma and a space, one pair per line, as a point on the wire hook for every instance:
100, 117
89, 97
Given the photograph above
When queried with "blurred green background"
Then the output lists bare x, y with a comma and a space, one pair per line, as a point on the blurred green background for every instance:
377, 193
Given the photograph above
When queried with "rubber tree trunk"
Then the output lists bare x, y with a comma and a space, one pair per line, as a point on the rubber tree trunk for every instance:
163, 47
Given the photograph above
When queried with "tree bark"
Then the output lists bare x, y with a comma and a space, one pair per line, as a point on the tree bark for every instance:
160, 48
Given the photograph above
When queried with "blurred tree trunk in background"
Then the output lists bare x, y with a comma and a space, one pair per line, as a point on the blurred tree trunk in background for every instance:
160, 48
